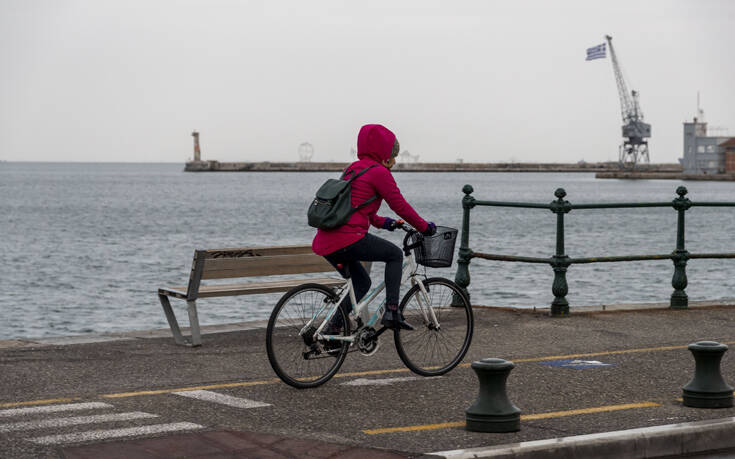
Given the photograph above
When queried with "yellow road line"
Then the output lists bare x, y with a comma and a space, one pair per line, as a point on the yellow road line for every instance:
597, 354
443, 425
357, 373
599, 409
184, 389
37, 402
371, 372
241, 384
526, 417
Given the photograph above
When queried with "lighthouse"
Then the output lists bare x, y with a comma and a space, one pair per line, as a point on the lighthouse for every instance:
197, 151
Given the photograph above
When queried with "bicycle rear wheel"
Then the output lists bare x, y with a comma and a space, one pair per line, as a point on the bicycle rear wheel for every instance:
429, 350
297, 358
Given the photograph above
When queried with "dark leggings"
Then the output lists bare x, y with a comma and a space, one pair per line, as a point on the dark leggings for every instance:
370, 248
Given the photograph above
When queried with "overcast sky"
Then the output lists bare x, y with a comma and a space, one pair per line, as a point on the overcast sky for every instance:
485, 81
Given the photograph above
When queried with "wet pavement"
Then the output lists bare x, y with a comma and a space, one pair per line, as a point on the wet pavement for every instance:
140, 395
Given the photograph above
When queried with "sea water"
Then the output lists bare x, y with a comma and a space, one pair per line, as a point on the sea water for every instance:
86, 246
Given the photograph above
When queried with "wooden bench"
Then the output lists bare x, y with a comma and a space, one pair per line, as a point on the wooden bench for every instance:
239, 263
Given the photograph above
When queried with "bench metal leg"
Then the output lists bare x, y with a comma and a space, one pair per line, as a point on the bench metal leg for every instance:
175, 330
196, 339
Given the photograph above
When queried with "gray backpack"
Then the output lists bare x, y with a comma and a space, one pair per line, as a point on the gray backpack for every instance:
332, 206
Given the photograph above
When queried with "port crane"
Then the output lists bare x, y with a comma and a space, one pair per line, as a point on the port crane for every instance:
635, 132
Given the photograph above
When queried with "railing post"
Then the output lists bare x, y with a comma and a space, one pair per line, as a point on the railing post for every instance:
462, 277
679, 299
560, 261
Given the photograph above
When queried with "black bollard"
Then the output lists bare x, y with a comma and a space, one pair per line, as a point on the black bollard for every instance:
492, 411
707, 389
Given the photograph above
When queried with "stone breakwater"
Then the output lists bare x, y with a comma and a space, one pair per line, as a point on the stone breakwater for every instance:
662, 175
267, 166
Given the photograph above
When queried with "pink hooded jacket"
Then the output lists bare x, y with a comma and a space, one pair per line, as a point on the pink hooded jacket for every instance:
374, 145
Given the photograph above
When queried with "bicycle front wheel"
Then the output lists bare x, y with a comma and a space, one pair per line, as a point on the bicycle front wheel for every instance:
434, 346
296, 356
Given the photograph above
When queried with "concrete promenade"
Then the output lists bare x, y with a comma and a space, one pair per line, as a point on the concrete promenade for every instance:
138, 395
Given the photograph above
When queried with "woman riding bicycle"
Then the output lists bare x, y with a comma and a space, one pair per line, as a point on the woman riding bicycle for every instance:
347, 245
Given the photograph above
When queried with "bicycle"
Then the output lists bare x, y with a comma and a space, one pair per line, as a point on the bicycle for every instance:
306, 351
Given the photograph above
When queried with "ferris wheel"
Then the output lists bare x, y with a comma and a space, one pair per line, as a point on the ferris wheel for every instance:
306, 152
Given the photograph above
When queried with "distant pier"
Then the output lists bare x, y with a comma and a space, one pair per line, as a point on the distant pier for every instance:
266, 166
661, 175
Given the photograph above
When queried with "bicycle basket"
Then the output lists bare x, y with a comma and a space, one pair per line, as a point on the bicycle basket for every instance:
436, 251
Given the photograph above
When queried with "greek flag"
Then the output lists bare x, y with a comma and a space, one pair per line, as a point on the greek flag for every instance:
596, 52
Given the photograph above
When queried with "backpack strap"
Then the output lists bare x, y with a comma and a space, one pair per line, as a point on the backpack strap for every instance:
354, 176
366, 203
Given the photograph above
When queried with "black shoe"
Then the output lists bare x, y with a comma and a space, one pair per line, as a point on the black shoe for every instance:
395, 320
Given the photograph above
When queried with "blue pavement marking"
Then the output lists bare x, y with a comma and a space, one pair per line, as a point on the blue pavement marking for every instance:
577, 364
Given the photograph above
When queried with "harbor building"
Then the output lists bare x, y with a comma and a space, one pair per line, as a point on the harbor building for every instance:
704, 154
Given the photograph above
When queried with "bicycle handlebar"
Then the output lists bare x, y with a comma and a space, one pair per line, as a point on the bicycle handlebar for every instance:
409, 232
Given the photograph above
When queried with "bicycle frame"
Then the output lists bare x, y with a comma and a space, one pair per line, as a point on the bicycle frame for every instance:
360, 309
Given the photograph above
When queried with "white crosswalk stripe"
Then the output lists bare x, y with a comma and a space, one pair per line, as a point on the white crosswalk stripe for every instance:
222, 399
96, 435
74, 421
53, 409
36, 418
378, 382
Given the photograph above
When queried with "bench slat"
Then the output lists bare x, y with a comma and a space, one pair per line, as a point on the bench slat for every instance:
262, 287
250, 288
177, 292
219, 268
246, 252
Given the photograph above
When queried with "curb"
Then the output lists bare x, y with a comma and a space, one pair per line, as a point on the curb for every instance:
260, 324
230, 444
127, 336
648, 442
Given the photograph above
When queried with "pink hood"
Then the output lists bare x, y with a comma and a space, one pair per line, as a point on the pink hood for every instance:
375, 142
374, 145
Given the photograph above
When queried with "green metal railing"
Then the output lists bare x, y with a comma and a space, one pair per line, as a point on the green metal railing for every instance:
559, 262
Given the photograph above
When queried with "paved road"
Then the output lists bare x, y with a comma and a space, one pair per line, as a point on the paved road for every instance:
52, 396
